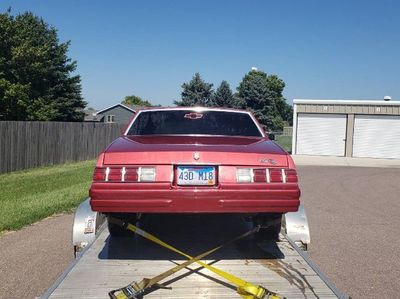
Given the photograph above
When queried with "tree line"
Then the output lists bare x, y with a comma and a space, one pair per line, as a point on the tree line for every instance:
38, 81
258, 92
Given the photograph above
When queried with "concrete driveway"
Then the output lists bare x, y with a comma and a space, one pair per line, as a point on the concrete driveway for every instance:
354, 220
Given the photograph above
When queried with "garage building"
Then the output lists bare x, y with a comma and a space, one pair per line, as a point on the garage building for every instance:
346, 128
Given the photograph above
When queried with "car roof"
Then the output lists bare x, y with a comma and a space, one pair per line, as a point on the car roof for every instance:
195, 108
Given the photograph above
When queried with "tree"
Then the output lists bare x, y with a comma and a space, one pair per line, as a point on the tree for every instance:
196, 93
262, 94
36, 75
135, 100
223, 96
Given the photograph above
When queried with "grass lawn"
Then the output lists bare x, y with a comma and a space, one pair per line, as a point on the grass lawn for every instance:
284, 141
31, 195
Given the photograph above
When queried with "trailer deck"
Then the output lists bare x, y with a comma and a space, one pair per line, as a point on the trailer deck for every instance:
109, 263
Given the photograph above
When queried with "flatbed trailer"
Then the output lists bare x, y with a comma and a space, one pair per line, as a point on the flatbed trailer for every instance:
108, 263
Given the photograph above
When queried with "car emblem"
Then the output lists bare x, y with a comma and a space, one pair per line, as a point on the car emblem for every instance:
196, 156
270, 161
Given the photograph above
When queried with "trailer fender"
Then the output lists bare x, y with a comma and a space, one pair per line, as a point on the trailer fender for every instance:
86, 226
295, 226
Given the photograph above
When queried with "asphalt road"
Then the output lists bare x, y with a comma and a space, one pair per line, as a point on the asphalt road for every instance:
354, 217
32, 258
354, 220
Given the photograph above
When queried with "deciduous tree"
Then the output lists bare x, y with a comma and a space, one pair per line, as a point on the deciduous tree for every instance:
262, 94
135, 100
37, 80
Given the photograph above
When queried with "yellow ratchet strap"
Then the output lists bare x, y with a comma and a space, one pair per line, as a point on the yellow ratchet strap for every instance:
245, 289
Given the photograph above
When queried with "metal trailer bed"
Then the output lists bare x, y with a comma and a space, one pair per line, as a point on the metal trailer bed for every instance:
108, 263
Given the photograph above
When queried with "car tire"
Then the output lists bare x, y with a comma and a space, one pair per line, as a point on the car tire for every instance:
117, 231
271, 232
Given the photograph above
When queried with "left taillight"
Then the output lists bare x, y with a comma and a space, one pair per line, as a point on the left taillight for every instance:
124, 174
99, 174
147, 174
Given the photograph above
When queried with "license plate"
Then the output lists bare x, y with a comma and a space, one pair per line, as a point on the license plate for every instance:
196, 175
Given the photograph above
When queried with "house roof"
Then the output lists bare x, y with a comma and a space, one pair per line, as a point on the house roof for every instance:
90, 115
119, 104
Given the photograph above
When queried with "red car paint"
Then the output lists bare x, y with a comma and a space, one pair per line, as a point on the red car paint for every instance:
225, 153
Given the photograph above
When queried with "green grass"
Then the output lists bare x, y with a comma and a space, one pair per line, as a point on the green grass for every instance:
284, 141
31, 195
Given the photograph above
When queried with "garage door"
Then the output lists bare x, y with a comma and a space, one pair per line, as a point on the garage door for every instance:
321, 134
376, 136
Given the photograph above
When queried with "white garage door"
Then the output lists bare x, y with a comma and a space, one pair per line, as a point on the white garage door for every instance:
376, 136
321, 134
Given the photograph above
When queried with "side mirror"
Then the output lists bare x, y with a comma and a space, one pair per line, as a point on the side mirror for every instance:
271, 136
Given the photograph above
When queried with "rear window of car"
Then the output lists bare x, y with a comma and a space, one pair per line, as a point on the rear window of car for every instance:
187, 122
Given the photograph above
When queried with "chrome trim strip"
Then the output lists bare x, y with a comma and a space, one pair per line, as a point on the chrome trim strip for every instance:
123, 172
139, 173
107, 173
283, 175
199, 109
268, 175
252, 174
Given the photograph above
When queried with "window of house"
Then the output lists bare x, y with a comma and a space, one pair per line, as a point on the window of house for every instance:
110, 118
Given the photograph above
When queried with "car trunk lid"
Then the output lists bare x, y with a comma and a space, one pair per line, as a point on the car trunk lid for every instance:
215, 150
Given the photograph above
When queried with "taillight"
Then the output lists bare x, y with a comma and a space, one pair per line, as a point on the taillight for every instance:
244, 175
275, 175
114, 174
266, 175
124, 174
147, 174
259, 175
99, 174
291, 176
131, 174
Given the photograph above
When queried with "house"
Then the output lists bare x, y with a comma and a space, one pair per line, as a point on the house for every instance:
90, 115
118, 113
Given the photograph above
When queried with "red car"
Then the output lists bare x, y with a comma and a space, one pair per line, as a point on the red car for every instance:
195, 160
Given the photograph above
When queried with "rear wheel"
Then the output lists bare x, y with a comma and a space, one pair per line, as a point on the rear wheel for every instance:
118, 231
272, 225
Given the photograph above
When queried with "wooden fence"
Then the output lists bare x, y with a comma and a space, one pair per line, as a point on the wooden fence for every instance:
25, 144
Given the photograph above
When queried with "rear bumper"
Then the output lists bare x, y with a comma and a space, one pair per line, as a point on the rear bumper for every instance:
164, 198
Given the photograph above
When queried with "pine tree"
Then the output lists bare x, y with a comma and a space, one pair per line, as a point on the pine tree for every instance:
36, 81
223, 96
196, 93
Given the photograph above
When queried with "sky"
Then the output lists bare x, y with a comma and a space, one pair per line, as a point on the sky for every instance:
321, 49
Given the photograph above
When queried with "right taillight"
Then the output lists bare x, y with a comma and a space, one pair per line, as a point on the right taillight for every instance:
291, 175
275, 175
266, 175
260, 175
244, 175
